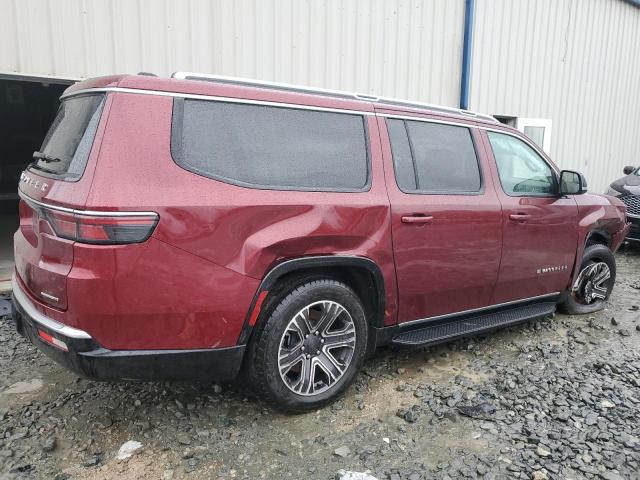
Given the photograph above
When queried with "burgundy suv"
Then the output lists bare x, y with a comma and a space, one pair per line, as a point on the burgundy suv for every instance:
205, 227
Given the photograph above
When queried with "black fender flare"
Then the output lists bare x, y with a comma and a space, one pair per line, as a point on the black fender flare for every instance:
600, 232
306, 263
596, 231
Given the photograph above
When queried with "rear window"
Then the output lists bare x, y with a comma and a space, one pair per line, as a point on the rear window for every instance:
70, 137
270, 147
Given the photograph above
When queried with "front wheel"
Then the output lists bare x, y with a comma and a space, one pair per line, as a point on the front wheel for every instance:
311, 347
594, 283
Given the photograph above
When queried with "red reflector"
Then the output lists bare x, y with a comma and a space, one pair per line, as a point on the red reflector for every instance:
94, 232
256, 309
51, 340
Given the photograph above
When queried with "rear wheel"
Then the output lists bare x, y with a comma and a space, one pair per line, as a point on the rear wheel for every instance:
594, 283
311, 347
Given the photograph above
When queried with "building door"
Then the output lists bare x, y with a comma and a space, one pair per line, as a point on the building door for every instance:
28, 105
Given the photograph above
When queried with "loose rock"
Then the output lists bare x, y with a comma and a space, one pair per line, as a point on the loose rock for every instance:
127, 449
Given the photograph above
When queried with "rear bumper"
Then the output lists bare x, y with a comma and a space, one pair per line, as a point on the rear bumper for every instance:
87, 358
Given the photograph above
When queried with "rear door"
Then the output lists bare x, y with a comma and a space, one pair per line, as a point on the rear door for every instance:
445, 216
540, 227
56, 178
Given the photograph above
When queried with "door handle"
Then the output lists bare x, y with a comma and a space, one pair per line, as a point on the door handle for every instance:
417, 219
519, 217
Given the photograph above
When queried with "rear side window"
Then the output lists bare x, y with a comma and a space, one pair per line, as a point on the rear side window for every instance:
434, 158
68, 142
270, 147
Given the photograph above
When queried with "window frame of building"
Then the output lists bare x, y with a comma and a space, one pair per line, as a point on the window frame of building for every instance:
523, 124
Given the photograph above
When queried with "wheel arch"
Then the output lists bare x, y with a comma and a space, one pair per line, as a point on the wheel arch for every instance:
362, 274
597, 236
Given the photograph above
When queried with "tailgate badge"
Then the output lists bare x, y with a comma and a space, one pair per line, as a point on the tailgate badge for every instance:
37, 184
49, 296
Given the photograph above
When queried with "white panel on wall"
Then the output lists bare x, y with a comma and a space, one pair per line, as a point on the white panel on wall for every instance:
576, 62
403, 48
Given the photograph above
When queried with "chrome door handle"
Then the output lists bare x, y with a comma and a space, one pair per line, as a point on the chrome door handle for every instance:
417, 219
519, 217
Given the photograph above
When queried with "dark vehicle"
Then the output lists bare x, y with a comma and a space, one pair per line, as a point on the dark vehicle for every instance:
207, 227
627, 189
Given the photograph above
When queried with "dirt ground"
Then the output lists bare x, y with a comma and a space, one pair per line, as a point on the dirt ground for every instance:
557, 398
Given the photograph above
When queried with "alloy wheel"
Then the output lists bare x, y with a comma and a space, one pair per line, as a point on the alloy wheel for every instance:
592, 283
316, 348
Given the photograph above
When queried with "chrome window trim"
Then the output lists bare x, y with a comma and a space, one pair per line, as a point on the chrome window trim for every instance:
382, 101
195, 96
24, 302
214, 98
87, 213
427, 120
477, 310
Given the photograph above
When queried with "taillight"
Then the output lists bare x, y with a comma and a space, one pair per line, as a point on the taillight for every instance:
103, 229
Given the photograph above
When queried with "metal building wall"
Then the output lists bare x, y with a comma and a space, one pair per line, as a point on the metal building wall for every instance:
403, 48
576, 62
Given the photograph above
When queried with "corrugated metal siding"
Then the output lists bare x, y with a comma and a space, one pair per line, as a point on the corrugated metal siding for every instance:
402, 48
576, 62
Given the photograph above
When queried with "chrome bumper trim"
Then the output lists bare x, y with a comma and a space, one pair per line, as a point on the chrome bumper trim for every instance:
26, 304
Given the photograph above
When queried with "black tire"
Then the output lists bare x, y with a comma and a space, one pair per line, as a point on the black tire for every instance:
574, 305
263, 371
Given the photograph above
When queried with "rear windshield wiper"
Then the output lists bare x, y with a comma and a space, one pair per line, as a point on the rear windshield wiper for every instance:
40, 167
44, 157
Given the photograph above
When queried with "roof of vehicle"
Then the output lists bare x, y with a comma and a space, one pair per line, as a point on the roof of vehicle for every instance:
220, 86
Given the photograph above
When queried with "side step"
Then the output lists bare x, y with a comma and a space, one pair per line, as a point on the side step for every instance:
431, 333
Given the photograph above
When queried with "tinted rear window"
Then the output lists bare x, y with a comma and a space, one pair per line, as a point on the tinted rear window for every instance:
433, 157
70, 137
270, 147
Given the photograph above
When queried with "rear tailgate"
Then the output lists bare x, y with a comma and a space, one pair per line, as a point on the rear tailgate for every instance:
55, 184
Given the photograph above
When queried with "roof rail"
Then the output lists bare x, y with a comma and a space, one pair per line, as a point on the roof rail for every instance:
327, 92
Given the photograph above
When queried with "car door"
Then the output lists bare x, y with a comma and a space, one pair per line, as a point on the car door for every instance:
445, 216
540, 227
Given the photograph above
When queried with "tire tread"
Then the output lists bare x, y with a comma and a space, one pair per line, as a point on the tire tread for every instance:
258, 375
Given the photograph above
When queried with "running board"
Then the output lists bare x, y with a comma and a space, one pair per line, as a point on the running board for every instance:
431, 333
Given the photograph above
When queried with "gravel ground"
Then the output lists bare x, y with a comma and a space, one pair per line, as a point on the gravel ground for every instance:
558, 398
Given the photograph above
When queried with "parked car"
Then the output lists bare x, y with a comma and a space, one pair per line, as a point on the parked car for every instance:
204, 227
627, 189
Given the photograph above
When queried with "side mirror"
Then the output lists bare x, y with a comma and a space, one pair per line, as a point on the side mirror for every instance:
628, 170
572, 183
